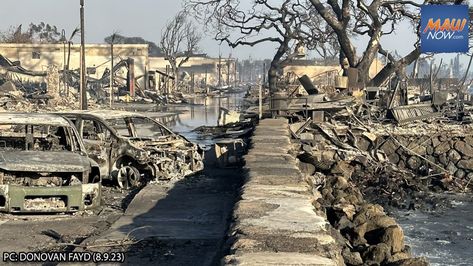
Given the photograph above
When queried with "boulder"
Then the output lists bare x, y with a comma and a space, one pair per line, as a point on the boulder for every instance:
451, 167
341, 183
399, 256
306, 136
454, 156
343, 168
382, 222
465, 164
351, 258
442, 148
393, 158
328, 155
429, 150
443, 159
360, 230
367, 213
414, 162
394, 237
410, 262
343, 224
468, 140
389, 147
435, 142
401, 164
460, 174
363, 143
464, 148
415, 148
347, 209
377, 254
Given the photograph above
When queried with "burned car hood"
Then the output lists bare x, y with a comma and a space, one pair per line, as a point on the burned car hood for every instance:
41, 161
170, 140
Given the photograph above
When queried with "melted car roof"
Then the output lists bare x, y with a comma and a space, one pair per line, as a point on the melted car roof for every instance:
33, 119
105, 114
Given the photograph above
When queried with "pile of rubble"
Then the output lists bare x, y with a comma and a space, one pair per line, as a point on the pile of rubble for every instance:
355, 169
369, 236
14, 97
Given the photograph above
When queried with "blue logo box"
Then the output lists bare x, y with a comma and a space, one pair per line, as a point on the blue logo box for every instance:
444, 28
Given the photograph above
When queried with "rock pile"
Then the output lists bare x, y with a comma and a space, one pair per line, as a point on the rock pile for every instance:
369, 236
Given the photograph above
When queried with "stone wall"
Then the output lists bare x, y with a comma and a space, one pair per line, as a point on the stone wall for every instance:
430, 154
274, 221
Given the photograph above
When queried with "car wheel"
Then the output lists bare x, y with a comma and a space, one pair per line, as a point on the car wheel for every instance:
128, 177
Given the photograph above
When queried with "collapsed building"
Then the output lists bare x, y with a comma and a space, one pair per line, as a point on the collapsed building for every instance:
54, 70
367, 150
200, 71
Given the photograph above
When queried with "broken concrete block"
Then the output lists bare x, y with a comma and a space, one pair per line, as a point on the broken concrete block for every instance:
306, 136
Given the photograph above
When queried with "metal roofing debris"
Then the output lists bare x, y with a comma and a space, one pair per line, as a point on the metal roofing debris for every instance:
408, 113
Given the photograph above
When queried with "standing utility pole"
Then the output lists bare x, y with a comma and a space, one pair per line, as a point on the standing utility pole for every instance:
64, 63
83, 82
111, 70
228, 71
219, 70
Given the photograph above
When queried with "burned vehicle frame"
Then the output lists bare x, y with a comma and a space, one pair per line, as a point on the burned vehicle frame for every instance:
130, 147
44, 166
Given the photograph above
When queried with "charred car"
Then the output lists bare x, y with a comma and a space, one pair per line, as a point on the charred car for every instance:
44, 166
130, 147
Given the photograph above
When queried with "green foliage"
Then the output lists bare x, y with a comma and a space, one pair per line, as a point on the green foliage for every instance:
154, 50
36, 33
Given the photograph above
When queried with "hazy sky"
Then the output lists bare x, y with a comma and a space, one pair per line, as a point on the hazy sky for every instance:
143, 18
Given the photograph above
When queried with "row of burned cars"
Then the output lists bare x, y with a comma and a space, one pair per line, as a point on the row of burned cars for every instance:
58, 162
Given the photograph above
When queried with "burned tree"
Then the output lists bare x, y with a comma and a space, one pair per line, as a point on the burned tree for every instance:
373, 19
179, 41
289, 25
36, 33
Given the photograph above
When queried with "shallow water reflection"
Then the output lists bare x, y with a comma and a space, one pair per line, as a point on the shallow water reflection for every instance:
444, 238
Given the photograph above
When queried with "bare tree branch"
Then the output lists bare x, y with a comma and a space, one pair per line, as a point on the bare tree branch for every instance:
179, 41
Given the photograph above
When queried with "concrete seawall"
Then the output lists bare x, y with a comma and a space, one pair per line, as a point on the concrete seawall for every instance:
275, 221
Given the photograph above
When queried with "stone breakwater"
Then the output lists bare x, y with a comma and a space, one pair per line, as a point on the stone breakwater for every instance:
429, 154
341, 169
275, 221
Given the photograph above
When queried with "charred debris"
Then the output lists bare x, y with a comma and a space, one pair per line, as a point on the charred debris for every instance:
368, 151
